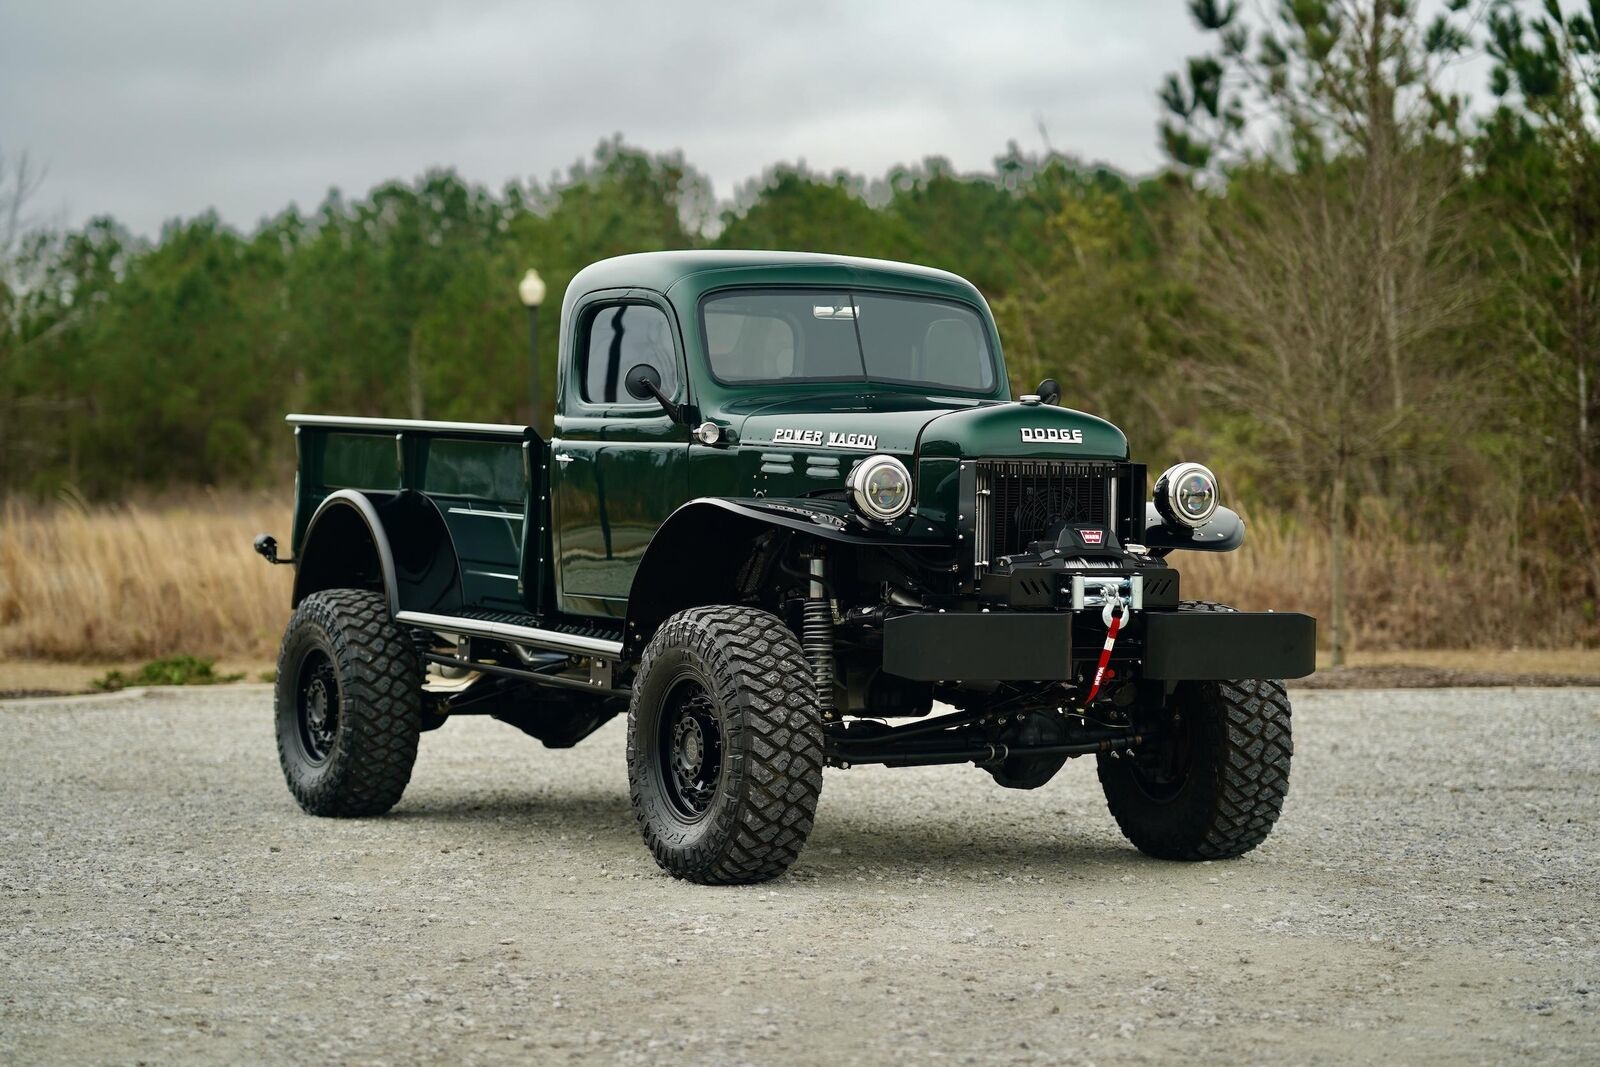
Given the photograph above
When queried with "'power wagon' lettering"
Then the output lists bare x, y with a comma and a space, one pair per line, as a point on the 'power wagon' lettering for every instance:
864, 441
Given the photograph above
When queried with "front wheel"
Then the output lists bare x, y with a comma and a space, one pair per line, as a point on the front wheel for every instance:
724, 746
1211, 783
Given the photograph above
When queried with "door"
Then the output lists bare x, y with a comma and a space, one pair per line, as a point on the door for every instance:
619, 464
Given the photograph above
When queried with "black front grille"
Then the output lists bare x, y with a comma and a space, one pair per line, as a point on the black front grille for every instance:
1024, 500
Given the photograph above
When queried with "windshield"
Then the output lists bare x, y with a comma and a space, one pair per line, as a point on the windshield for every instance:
835, 335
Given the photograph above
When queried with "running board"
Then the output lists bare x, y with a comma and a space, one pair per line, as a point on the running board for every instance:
531, 636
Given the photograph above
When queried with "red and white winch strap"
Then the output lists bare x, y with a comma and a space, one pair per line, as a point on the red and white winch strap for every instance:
1100, 671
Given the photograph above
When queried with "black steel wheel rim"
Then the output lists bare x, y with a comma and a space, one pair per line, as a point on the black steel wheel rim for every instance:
689, 750
317, 706
1161, 766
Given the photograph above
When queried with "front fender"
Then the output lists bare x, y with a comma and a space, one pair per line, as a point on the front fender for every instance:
831, 520
1224, 533
696, 555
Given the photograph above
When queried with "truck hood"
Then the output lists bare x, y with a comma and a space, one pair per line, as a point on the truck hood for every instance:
910, 425
1030, 431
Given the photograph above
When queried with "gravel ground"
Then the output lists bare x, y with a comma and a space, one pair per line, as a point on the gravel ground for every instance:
1410, 676
1429, 897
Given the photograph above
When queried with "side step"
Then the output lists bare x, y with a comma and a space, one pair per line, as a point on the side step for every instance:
530, 636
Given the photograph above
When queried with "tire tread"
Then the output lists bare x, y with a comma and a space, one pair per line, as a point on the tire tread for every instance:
380, 681
777, 764
1251, 778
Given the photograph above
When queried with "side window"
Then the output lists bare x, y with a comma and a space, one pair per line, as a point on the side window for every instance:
617, 338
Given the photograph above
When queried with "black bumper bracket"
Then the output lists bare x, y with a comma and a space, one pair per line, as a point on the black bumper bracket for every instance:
1036, 646
1005, 646
1199, 646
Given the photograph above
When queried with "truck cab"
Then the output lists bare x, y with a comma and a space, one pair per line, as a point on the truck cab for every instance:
788, 500
763, 359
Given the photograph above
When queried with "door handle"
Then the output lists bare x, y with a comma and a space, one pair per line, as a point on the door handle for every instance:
563, 458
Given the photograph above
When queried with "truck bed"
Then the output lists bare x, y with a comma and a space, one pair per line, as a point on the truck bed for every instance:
482, 486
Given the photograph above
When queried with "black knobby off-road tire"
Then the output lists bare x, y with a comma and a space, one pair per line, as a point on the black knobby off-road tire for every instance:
343, 643
753, 690
1232, 771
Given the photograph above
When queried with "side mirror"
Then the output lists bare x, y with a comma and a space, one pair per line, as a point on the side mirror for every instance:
1049, 391
643, 382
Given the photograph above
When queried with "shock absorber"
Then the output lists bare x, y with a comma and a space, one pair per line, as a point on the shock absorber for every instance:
816, 633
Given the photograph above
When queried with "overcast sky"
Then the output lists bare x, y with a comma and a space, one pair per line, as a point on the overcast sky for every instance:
159, 108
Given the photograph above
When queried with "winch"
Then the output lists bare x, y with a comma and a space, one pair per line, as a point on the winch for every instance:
1103, 592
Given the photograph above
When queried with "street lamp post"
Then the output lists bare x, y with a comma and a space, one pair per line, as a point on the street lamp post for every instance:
531, 292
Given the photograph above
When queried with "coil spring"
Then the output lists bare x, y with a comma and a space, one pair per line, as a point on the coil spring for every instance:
816, 637
423, 641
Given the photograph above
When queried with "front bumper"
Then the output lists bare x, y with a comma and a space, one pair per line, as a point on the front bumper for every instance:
1037, 645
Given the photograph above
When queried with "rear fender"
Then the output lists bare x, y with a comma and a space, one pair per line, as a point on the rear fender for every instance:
396, 544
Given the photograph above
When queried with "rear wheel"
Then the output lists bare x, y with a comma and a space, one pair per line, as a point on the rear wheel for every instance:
348, 704
1211, 783
724, 746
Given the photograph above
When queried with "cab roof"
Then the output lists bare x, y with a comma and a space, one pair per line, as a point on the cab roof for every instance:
688, 273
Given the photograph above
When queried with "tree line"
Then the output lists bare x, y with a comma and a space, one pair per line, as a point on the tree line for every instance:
1364, 293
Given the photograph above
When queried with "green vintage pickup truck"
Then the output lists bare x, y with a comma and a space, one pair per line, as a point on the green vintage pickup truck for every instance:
790, 516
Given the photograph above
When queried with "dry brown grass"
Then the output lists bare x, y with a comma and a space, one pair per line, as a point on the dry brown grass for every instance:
162, 578
1402, 594
140, 581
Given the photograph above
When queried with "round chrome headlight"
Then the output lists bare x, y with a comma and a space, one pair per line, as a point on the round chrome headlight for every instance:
1186, 495
880, 487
